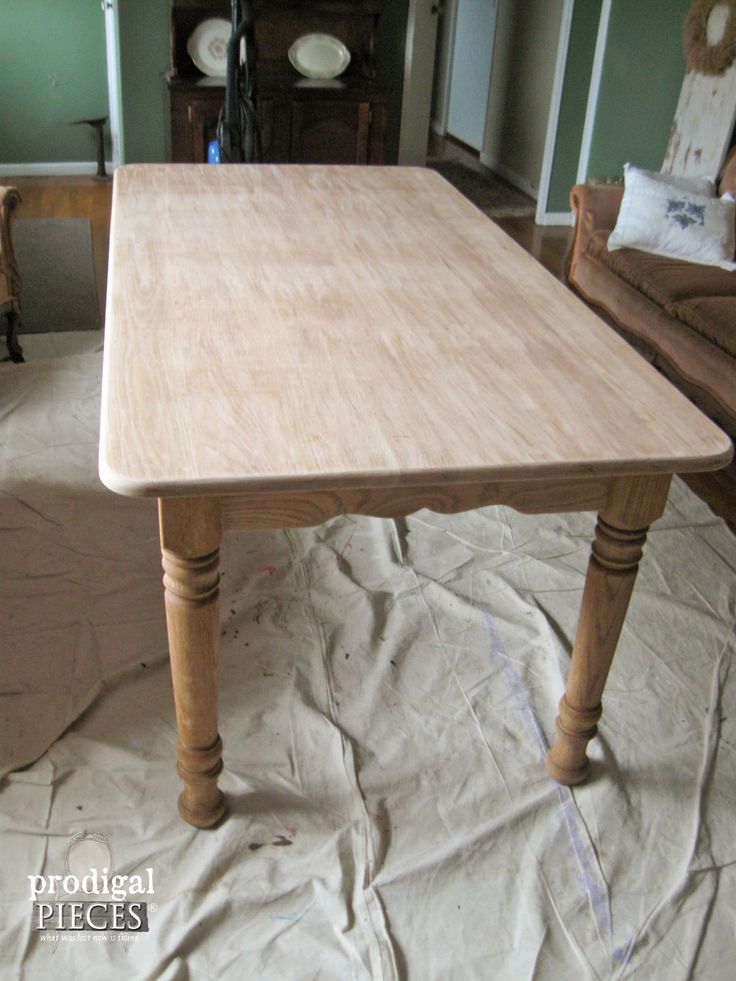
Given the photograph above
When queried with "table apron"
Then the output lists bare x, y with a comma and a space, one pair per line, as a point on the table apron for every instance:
309, 508
191, 534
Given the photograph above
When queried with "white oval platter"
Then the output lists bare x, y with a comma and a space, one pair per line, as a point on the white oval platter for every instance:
319, 56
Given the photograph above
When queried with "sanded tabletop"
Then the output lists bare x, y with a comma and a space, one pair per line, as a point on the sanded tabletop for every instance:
292, 327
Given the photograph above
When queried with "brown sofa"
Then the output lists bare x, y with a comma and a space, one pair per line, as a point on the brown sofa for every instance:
680, 315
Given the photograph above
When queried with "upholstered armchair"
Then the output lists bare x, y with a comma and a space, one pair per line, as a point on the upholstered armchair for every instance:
9, 275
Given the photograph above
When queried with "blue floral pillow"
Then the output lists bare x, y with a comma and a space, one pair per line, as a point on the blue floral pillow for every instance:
667, 216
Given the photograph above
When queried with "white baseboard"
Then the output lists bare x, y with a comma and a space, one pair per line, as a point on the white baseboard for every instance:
488, 161
511, 176
67, 168
556, 218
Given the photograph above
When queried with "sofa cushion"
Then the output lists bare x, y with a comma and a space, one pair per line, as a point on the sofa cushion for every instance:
680, 288
712, 316
701, 369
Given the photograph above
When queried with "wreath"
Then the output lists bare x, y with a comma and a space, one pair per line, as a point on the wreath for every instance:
709, 59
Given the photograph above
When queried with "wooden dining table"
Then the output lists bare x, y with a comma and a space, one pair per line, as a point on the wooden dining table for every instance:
289, 343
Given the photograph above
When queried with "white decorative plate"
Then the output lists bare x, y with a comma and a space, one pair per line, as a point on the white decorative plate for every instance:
207, 46
319, 56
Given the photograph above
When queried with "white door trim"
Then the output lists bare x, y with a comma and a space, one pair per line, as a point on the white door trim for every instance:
553, 116
404, 150
416, 102
593, 92
114, 88
556, 218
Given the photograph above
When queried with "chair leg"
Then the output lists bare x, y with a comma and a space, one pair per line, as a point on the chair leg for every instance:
11, 337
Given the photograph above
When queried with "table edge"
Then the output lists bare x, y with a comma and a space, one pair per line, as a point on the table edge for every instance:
297, 483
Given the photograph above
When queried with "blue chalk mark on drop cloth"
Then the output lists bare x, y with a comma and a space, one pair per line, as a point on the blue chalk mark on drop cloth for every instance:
293, 918
581, 847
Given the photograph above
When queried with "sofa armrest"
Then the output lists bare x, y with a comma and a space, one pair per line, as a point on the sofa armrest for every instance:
595, 206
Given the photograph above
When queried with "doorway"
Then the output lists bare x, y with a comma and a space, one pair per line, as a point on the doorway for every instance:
470, 66
512, 55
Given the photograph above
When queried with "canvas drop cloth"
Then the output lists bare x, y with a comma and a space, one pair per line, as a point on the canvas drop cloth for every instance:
387, 692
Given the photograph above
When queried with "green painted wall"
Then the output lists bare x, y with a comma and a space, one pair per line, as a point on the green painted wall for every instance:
642, 75
52, 71
144, 58
583, 35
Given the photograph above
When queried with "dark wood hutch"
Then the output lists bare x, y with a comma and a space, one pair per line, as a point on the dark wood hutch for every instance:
300, 120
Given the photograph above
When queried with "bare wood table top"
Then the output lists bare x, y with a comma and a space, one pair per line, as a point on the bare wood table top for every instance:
287, 343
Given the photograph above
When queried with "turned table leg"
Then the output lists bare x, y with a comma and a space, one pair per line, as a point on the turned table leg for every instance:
190, 547
633, 504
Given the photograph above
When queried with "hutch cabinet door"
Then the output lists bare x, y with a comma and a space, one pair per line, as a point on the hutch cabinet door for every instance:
330, 132
204, 117
193, 125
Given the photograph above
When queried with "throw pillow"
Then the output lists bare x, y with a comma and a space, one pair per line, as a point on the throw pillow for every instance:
694, 185
666, 219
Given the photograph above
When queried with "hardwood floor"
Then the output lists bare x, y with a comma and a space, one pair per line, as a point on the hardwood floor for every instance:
86, 197
547, 243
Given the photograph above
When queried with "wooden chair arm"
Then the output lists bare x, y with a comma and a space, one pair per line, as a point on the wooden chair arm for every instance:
9, 200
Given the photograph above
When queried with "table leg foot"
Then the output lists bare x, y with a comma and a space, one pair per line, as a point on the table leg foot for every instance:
575, 727
201, 803
190, 537
620, 535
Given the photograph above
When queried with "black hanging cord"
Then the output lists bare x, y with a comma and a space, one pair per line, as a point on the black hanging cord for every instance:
237, 129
